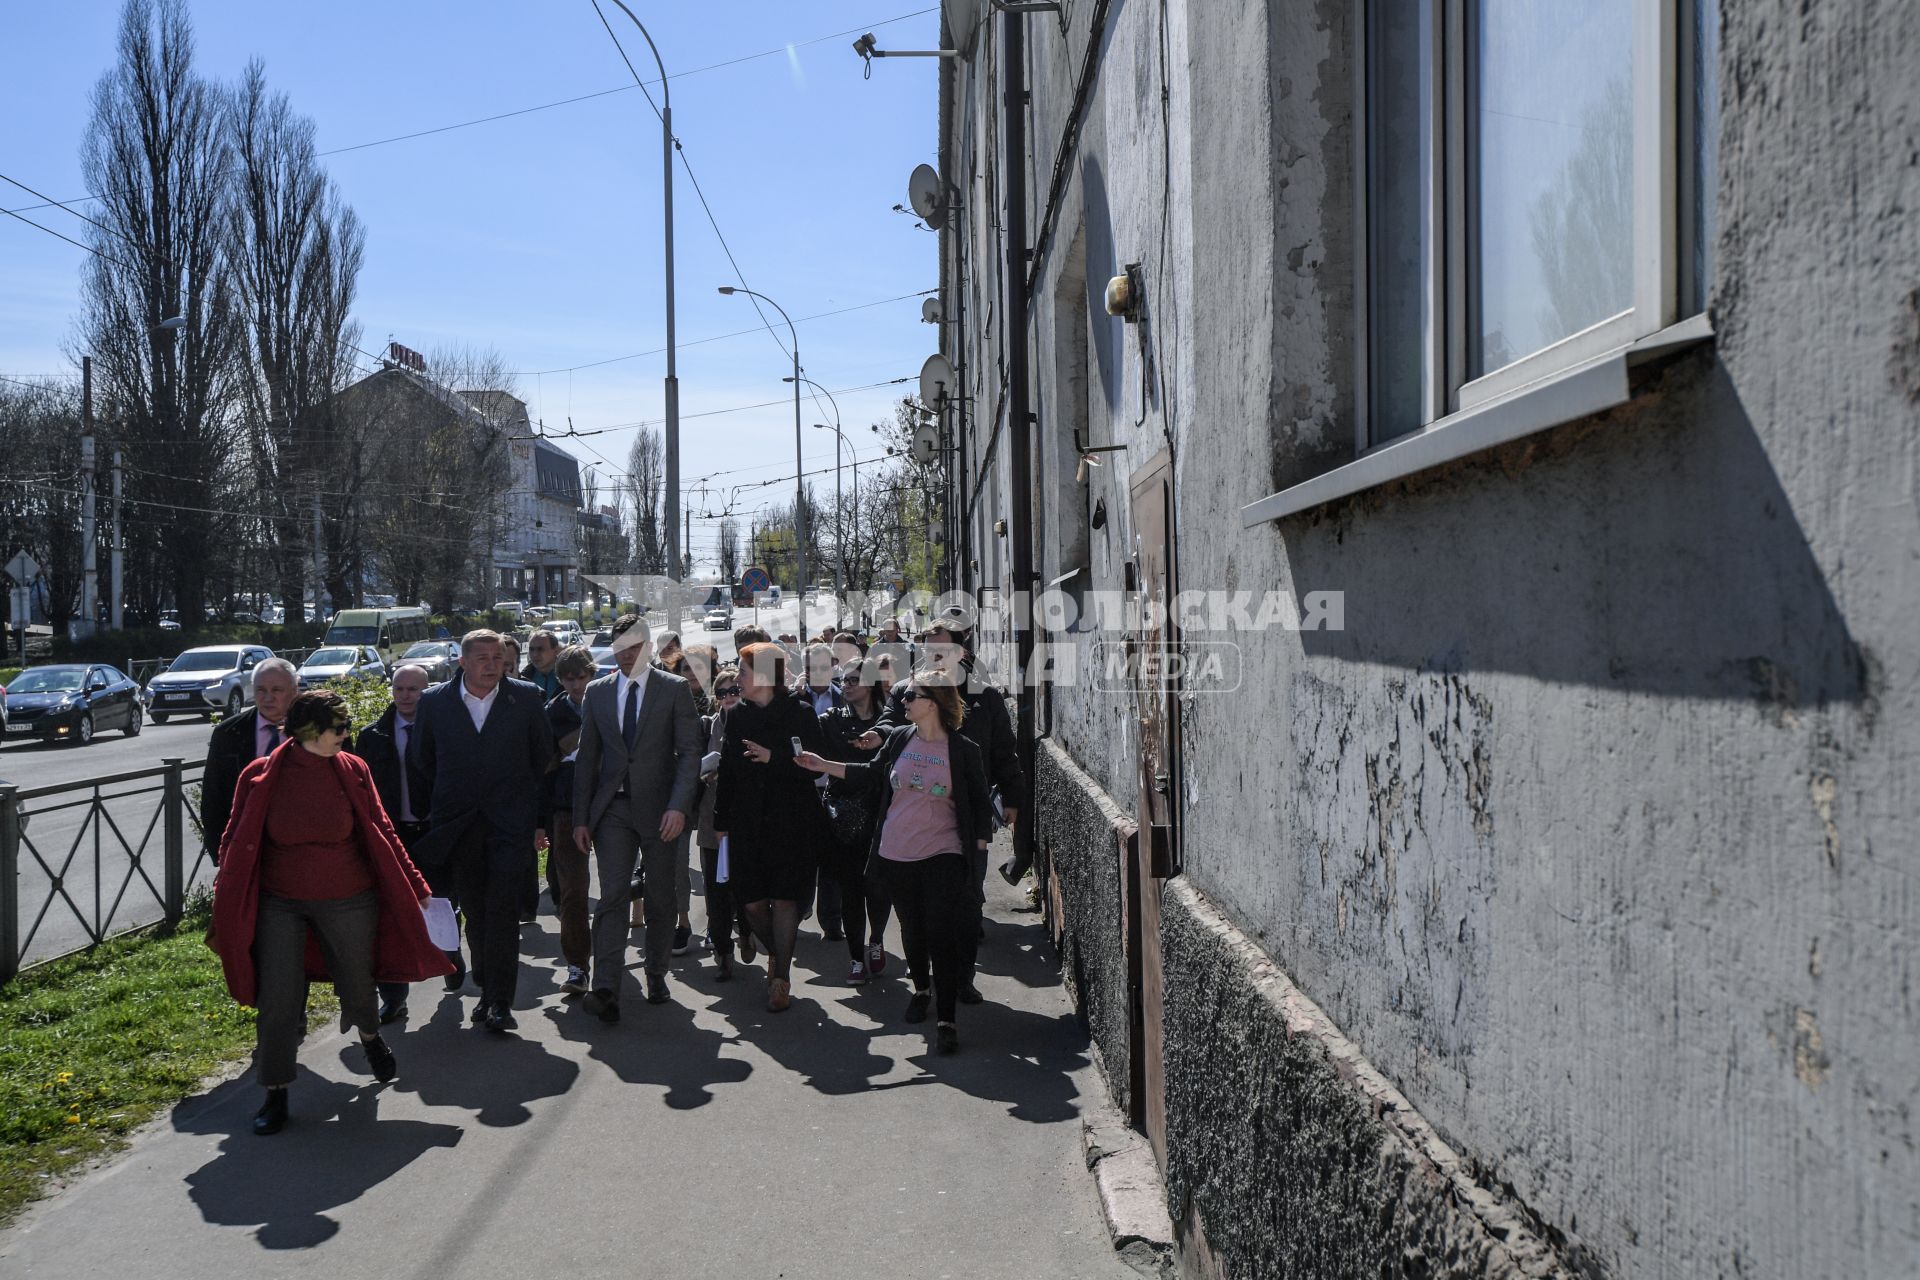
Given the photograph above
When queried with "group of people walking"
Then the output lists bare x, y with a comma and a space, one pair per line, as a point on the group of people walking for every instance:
858, 784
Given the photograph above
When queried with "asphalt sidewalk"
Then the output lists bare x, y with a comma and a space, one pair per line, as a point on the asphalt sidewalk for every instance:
705, 1137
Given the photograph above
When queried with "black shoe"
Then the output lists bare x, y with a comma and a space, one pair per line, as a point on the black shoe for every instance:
1008, 874
458, 978
602, 1005
500, 1019
946, 1039
722, 965
380, 1059
970, 994
917, 1007
657, 988
272, 1117
479, 1014
682, 939
833, 933
392, 1010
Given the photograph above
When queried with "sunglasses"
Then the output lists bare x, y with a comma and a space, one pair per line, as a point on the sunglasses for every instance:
728, 691
911, 695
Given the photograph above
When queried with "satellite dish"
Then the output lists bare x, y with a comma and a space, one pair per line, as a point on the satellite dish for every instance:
926, 443
925, 197
930, 311
936, 380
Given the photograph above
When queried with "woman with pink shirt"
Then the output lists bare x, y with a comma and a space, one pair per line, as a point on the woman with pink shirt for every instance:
930, 787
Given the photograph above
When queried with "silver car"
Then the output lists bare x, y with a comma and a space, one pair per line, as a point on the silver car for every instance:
439, 658
340, 662
201, 682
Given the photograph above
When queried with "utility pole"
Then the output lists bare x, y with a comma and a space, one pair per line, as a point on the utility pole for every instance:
319, 574
118, 562
89, 530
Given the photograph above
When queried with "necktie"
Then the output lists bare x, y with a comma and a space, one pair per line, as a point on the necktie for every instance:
406, 801
273, 738
630, 731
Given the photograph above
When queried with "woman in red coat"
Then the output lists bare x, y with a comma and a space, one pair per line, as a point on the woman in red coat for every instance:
313, 883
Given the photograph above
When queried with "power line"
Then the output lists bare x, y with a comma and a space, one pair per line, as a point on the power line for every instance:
546, 106
571, 434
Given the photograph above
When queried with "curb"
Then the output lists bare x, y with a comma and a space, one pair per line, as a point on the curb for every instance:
1133, 1198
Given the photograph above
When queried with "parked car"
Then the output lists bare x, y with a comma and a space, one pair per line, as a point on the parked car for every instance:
512, 608
70, 701
341, 662
441, 658
169, 620
388, 630
213, 678
567, 632
603, 660
539, 611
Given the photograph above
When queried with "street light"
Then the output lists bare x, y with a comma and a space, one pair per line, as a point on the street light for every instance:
799, 479
673, 378
840, 554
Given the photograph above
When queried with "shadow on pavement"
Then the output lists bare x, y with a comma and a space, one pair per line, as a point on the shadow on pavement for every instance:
334, 1150
448, 1062
654, 1045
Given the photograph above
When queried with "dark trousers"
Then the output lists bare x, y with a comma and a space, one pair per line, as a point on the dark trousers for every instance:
977, 901
721, 911
618, 848
567, 881
439, 878
828, 903
863, 903
934, 900
345, 929
489, 875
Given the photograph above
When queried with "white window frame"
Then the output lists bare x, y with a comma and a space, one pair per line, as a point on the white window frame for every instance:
1576, 376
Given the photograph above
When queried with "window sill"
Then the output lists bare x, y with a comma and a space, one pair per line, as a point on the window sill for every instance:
1589, 388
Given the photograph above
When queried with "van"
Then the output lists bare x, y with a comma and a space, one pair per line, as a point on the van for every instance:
391, 631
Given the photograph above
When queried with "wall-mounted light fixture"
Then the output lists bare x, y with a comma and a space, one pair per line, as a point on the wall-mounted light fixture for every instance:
1127, 294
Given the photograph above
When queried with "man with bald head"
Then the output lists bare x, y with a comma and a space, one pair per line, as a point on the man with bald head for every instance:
383, 745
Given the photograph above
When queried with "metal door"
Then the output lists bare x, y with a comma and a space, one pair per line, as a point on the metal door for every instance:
1155, 646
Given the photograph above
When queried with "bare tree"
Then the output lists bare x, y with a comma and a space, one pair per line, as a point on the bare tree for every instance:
40, 511
157, 155
296, 250
646, 478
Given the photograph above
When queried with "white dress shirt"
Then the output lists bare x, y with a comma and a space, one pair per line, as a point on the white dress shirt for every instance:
264, 735
478, 707
623, 682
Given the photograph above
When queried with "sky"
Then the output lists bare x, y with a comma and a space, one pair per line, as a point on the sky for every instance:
540, 235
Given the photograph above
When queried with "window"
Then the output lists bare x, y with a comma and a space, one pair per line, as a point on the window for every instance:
1537, 192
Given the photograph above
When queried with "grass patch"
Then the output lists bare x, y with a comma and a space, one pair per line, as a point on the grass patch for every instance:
95, 1045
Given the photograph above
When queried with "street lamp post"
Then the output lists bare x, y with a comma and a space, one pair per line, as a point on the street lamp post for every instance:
799, 478
673, 378
840, 554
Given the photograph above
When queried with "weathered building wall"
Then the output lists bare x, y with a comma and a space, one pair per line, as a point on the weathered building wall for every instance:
1592, 830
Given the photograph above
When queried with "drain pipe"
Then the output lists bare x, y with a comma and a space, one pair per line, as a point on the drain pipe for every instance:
1013, 113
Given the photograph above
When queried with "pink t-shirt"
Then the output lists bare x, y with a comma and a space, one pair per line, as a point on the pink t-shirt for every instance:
920, 822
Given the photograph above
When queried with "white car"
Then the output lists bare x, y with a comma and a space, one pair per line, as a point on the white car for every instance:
216, 678
339, 662
567, 632
717, 620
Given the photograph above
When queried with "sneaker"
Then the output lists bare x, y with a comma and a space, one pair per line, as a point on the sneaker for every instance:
576, 982
682, 939
857, 975
876, 959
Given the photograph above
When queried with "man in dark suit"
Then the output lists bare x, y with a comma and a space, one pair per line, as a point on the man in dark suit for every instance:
384, 745
481, 747
239, 740
634, 785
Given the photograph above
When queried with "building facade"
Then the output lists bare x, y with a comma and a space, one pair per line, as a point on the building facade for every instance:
536, 557
1470, 450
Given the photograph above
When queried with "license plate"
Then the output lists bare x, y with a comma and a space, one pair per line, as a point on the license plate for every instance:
24, 726
175, 697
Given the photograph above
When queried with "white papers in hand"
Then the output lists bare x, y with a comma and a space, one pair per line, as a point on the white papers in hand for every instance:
442, 928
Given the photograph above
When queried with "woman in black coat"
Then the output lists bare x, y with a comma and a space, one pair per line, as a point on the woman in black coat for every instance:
852, 814
768, 811
929, 784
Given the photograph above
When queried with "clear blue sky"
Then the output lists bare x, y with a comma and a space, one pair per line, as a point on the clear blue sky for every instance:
540, 235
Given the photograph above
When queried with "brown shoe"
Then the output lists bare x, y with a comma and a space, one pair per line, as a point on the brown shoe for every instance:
779, 995
746, 948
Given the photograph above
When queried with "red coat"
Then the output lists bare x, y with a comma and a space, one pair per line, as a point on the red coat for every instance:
402, 952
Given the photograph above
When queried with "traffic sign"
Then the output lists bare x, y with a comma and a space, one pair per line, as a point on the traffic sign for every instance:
754, 580
23, 568
22, 606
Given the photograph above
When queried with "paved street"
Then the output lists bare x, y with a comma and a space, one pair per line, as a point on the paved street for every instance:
705, 1137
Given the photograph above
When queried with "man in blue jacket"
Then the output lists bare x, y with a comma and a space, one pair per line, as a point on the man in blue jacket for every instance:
478, 757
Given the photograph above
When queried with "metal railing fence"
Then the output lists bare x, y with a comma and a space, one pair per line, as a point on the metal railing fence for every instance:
98, 872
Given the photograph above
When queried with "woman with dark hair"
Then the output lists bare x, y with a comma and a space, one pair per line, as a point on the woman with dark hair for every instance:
314, 882
721, 907
768, 810
930, 787
850, 811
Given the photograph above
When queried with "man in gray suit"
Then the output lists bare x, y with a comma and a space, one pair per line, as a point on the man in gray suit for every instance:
634, 785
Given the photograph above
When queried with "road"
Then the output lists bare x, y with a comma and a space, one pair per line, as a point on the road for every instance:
704, 1137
